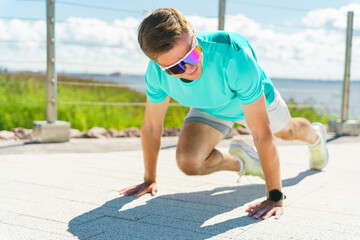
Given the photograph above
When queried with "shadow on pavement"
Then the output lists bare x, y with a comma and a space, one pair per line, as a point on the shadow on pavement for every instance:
173, 216
295, 180
167, 216
22, 144
333, 138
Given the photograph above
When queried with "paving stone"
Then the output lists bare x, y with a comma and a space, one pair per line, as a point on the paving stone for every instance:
39, 224
323, 217
11, 232
5, 215
274, 229
114, 228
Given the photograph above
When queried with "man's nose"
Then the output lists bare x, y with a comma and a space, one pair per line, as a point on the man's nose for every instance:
189, 68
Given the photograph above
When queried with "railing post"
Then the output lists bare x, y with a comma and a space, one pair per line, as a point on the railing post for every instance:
344, 126
51, 79
51, 130
346, 86
221, 14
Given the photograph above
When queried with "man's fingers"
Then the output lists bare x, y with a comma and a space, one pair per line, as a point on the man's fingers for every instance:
254, 211
127, 188
142, 191
154, 191
278, 213
270, 213
262, 210
265, 210
139, 190
252, 206
129, 191
122, 191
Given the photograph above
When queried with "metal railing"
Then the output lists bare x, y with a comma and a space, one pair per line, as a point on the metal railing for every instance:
52, 73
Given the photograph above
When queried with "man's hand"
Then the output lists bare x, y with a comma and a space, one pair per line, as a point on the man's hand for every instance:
139, 190
265, 209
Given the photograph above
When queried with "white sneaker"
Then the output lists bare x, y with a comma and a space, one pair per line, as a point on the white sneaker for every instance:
319, 155
248, 156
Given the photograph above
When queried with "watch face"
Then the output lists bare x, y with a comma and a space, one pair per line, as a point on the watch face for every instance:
275, 195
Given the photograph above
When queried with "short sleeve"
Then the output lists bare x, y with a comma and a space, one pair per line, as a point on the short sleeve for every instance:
153, 88
244, 76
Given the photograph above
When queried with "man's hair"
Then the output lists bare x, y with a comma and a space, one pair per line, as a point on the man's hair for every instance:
161, 30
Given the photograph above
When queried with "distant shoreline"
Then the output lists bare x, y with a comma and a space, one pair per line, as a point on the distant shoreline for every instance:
125, 75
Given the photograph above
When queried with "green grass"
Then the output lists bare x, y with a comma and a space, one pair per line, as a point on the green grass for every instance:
31, 89
310, 113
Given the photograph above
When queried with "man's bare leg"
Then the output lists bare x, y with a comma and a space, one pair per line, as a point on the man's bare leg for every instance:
313, 134
196, 153
298, 129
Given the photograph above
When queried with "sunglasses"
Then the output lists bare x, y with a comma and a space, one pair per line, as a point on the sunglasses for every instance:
192, 57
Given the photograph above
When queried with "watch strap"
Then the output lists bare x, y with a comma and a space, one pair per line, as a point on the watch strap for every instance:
275, 195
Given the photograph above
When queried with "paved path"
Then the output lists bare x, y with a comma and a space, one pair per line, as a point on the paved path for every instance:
69, 191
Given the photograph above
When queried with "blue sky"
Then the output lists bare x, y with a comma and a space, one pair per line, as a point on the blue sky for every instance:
313, 45
207, 8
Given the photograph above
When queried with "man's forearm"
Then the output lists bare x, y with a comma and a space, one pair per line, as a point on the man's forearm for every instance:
151, 141
269, 160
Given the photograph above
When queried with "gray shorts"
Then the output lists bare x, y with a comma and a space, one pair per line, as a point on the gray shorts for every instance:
278, 113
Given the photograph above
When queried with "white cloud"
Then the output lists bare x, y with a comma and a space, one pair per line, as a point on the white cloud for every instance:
332, 18
121, 54
315, 51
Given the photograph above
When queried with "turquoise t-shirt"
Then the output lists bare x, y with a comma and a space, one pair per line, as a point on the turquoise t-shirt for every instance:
231, 77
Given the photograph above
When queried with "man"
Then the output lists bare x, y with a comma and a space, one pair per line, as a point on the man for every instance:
217, 75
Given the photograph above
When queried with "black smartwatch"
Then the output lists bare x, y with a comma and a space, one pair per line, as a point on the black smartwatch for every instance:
275, 195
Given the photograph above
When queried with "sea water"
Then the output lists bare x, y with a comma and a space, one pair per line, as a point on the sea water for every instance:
325, 95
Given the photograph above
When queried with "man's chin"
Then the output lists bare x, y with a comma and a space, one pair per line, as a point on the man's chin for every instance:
192, 78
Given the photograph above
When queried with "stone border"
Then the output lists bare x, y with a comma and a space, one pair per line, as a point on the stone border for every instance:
99, 132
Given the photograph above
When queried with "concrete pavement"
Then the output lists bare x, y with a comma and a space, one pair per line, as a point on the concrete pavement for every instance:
70, 191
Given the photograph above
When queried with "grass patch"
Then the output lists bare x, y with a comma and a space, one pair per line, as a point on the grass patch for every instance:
23, 98
309, 112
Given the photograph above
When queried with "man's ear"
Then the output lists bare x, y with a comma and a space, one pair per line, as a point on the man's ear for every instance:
193, 32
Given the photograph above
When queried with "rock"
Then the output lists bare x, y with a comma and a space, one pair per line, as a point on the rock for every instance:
96, 132
114, 133
132, 132
7, 135
171, 132
84, 134
127, 132
121, 133
75, 133
108, 135
23, 133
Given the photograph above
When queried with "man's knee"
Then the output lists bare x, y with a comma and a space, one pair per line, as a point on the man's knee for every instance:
189, 163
